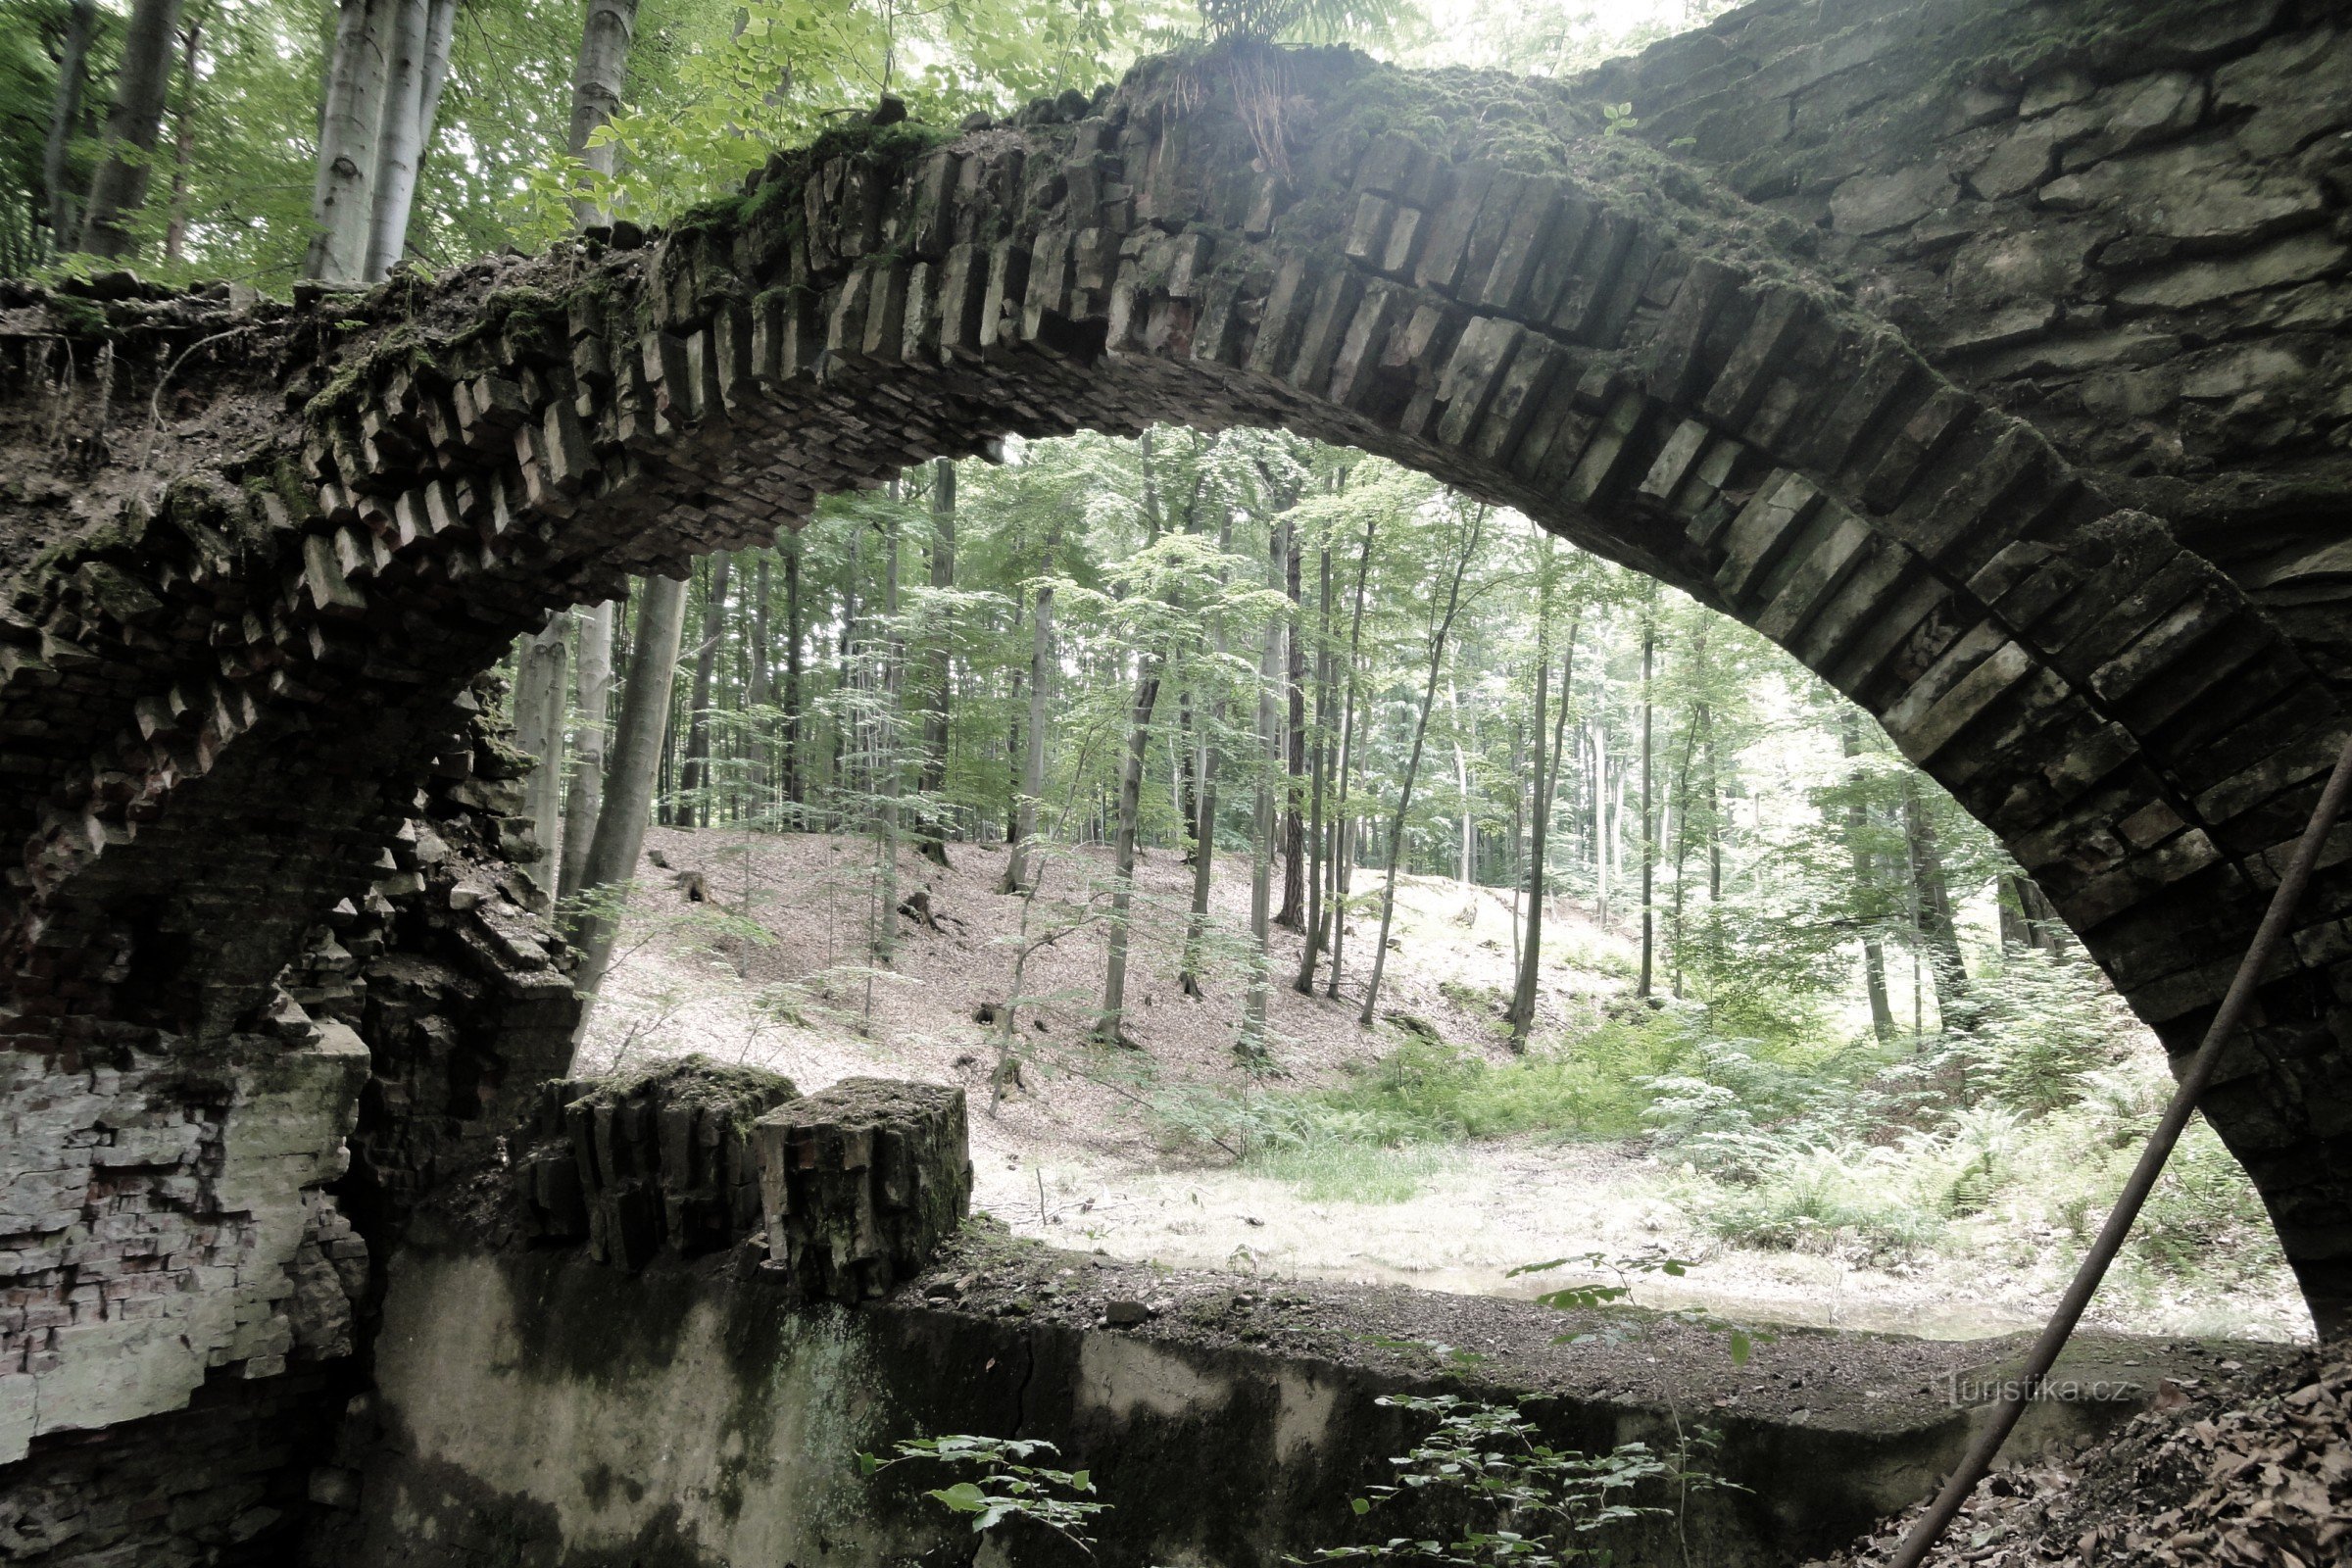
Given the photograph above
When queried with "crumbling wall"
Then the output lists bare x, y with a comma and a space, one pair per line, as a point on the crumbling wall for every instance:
184, 1233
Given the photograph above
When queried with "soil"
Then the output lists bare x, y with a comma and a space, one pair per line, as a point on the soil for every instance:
1074, 1157
1840, 1380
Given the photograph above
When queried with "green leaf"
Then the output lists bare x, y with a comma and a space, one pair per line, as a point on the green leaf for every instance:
1361, 1506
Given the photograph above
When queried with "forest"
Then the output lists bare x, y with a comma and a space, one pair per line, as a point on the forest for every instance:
1440, 834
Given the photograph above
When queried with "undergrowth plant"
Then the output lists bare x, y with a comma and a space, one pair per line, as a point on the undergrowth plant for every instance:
1524, 1503
1519, 1501
1006, 1485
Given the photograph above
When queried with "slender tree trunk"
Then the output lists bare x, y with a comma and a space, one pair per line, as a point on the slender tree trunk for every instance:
1650, 645
595, 696
1467, 845
1679, 810
414, 70
932, 834
1874, 950
184, 145
1320, 767
694, 776
142, 82
347, 133
1251, 1046
795, 726
760, 693
1936, 922
1292, 916
628, 794
398, 132
539, 733
891, 715
72, 72
1412, 764
1343, 857
1110, 1026
1207, 760
1522, 1016
1604, 853
597, 74
1714, 826
1041, 692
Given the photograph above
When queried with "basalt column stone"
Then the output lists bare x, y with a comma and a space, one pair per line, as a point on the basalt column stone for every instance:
861, 1184
638, 1162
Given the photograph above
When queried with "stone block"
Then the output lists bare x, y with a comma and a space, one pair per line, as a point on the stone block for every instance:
860, 1183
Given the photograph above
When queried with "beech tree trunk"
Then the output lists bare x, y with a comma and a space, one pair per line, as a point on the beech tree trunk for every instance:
1206, 759
1253, 1044
1522, 1016
932, 835
415, 67
1874, 951
759, 694
795, 766
1342, 830
596, 77
1292, 915
1110, 1026
184, 145
539, 731
1649, 646
348, 124
1412, 763
694, 773
142, 82
1936, 927
72, 70
1040, 688
1304, 984
593, 703
613, 854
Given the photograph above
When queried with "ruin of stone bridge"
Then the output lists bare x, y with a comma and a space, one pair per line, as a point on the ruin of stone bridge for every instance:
1989, 358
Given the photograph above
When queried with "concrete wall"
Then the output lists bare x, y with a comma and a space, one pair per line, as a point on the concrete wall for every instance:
538, 1408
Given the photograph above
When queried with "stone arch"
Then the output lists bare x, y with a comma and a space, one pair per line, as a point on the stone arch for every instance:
227, 697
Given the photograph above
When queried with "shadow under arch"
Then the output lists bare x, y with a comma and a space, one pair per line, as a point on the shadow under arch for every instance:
1467, 275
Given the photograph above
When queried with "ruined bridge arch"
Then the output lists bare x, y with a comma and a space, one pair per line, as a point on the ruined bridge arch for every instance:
219, 704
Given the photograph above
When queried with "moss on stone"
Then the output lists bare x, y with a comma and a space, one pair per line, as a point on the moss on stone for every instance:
743, 1092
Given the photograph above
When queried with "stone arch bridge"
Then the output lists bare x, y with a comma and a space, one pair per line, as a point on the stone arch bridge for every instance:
1988, 357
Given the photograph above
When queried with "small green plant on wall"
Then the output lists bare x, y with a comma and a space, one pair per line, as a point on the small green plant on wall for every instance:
1006, 1485
1529, 1504
1526, 1504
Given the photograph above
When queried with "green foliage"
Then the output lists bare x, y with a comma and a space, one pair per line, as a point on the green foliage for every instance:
1007, 1486
1522, 1501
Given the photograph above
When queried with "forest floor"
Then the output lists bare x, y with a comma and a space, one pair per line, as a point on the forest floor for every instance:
1107, 1149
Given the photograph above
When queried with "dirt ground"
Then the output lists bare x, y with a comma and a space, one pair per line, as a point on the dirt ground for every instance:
1073, 1160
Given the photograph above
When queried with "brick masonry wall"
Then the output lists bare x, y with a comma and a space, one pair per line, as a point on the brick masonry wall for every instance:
175, 1243
2130, 225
